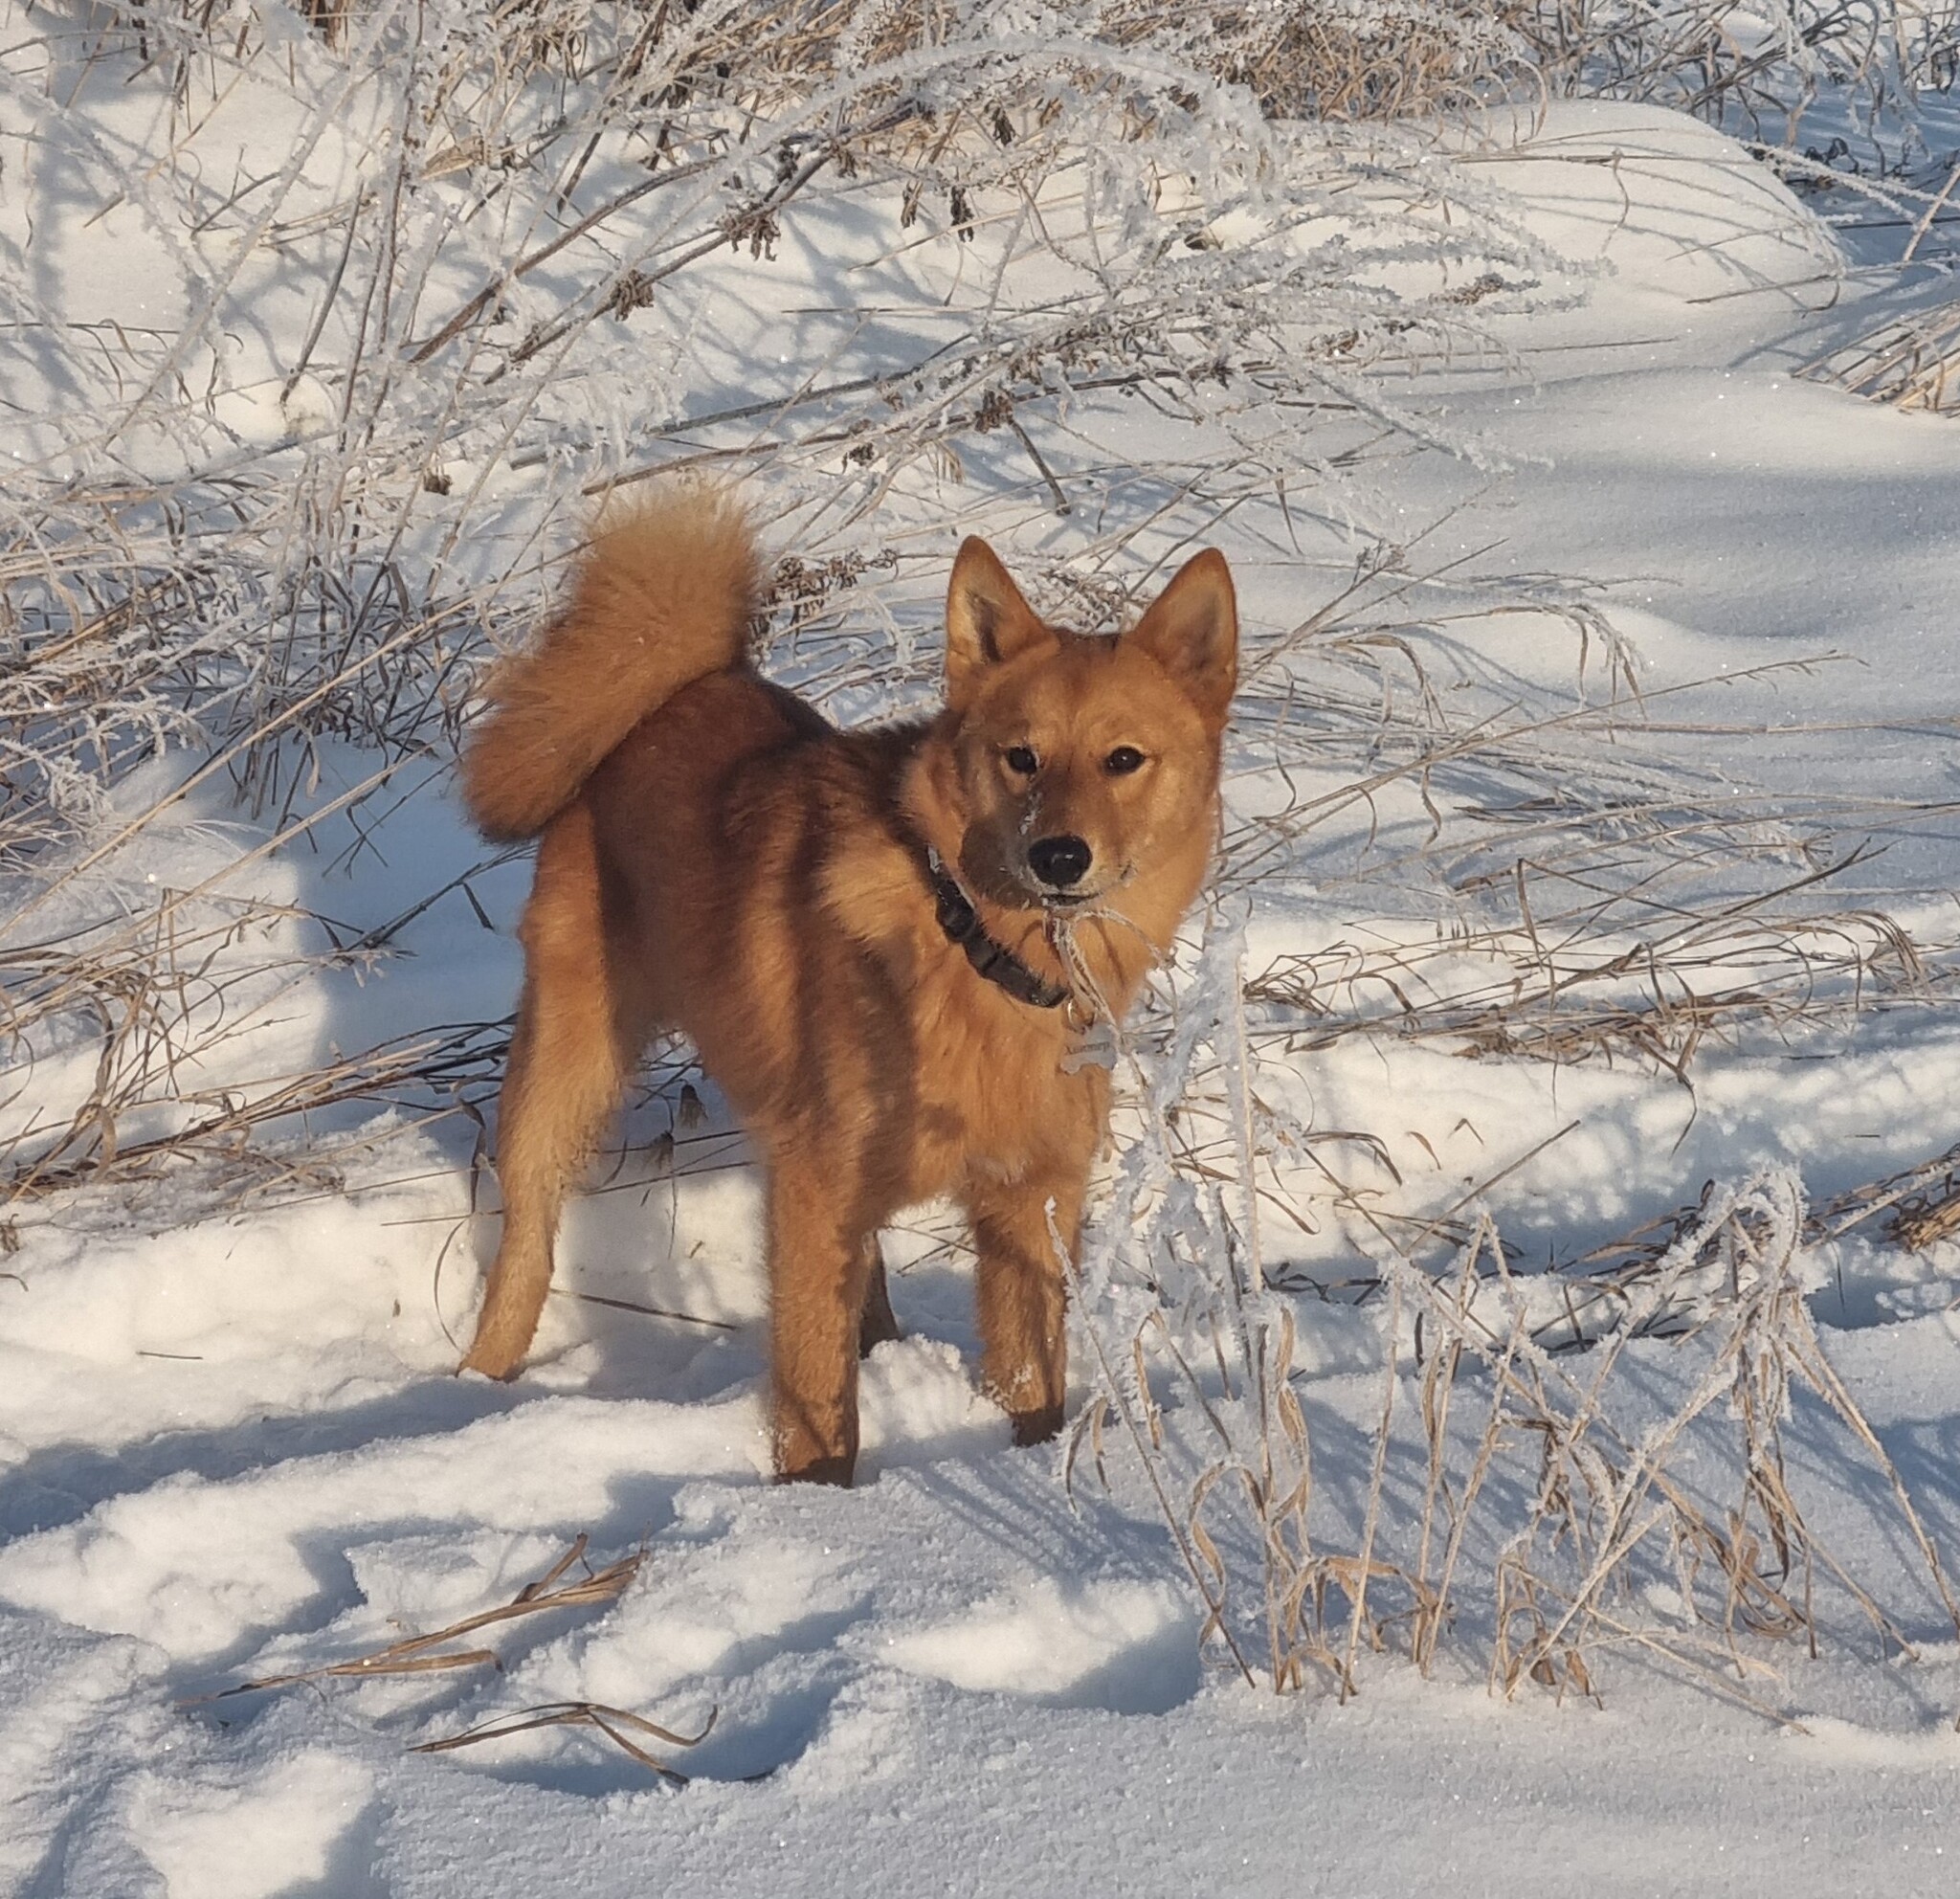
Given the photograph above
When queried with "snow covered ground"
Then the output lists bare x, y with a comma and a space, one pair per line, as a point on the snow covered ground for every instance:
230, 1447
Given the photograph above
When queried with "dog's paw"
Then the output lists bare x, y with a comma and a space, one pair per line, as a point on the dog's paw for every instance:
503, 1366
840, 1471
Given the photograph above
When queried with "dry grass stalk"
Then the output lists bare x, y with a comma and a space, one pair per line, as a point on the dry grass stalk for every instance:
1688, 54
1597, 1287
1910, 363
270, 599
1928, 1212
267, 602
1204, 1309
264, 604
1400, 59
1606, 1505
423, 1654
618, 1725
1729, 1287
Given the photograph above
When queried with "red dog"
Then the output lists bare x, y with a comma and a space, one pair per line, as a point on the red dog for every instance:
864, 933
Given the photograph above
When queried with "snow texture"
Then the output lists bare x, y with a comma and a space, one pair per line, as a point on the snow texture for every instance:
231, 1445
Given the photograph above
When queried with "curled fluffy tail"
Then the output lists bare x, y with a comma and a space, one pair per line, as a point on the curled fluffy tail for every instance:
662, 597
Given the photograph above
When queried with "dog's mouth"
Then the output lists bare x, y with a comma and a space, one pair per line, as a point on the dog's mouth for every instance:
1065, 903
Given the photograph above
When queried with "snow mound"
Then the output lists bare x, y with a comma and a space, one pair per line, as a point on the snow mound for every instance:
1672, 207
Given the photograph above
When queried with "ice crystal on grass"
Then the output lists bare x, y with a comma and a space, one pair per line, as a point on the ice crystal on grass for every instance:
401, 292
1566, 1472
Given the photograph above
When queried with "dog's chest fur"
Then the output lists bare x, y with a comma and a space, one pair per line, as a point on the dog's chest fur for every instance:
778, 898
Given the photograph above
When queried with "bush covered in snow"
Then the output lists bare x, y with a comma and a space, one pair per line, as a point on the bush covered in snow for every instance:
1547, 891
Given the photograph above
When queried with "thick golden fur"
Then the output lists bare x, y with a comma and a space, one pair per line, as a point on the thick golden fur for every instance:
664, 596
719, 859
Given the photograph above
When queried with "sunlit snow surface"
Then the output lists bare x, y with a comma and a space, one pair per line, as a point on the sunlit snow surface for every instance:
230, 1445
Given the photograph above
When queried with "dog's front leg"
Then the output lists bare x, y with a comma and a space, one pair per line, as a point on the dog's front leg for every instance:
879, 1323
819, 1272
1023, 1294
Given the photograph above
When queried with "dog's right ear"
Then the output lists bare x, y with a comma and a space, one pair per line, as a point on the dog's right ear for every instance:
1191, 631
987, 620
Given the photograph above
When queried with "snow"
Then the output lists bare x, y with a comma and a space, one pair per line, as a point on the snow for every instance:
231, 1446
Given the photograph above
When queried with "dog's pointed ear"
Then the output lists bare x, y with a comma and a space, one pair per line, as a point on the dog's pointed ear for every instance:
1191, 631
987, 620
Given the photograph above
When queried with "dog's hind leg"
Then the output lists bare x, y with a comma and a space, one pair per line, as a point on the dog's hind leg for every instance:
1023, 1296
878, 1324
569, 1059
821, 1264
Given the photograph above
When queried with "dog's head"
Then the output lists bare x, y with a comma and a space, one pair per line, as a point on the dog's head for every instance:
1078, 764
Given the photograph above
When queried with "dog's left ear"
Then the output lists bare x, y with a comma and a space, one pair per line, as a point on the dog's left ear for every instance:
1191, 631
987, 620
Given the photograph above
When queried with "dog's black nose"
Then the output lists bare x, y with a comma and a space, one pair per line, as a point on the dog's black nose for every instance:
1059, 860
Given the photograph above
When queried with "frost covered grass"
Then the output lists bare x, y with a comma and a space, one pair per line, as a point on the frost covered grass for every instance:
469, 266
1551, 1488
390, 359
1590, 837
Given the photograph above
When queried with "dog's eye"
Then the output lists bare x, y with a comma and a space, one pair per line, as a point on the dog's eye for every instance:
1126, 758
1021, 758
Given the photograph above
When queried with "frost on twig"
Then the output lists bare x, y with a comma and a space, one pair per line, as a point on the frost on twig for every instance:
1541, 1470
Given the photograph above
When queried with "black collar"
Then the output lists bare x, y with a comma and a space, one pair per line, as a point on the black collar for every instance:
994, 961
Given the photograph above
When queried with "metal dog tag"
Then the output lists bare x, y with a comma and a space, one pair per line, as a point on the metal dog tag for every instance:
1096, 1049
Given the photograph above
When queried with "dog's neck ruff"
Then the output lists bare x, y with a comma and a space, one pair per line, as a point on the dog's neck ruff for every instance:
998, 964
